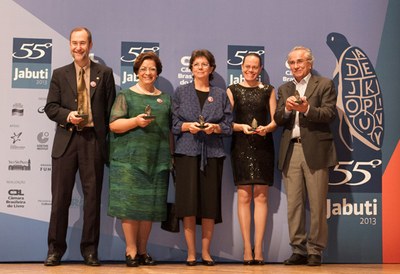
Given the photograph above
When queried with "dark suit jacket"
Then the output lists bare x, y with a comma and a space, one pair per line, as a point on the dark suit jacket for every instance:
62, 99
316, 136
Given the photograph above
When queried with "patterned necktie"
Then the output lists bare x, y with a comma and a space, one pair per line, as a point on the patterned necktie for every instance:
83, 104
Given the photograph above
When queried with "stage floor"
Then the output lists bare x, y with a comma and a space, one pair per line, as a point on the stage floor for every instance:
222, 268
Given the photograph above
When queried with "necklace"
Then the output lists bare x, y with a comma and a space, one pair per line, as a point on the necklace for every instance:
143, 91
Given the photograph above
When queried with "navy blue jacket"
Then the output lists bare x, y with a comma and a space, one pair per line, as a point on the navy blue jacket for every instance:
216, 110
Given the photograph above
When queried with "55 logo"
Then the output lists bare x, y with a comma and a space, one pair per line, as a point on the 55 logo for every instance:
31, 63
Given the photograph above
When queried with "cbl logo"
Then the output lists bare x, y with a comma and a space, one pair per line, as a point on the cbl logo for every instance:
15, 192
360, 122
31, 63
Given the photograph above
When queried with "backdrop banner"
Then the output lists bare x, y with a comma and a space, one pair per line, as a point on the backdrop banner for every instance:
355, 43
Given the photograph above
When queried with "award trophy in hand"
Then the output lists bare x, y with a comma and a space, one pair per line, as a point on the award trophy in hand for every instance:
82, 111
254, 125
201, 122
147, 111
298, 99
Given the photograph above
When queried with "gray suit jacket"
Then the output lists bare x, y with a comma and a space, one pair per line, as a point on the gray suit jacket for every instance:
62, 99
316, 136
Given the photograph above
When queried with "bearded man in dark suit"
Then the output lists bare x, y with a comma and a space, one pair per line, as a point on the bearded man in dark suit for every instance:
305, 109
79, 144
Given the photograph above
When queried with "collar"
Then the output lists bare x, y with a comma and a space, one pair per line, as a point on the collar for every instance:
303, 81
78, 68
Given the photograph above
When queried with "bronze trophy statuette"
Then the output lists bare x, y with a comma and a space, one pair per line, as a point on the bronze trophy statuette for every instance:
201, 122
297, 95
147, 111
81, 114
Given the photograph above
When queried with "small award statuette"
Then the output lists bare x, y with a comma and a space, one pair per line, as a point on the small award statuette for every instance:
84, 116
201, 122
81, 114
147, 111
254, 124
297, 95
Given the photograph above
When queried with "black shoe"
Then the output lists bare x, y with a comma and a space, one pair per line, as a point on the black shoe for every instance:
296, 259
314, 260
91, 260
208, 262
258, 262
52, 259
132, 262
191, 263
248, 262
146, 259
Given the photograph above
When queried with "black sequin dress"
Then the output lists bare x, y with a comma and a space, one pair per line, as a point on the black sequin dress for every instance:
252, 155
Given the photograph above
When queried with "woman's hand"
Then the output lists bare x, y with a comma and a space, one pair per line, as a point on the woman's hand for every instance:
194, 127
141, 122
209, 128
261, 130
247, 129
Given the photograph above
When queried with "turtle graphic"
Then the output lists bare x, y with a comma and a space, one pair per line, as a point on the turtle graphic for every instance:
359, 99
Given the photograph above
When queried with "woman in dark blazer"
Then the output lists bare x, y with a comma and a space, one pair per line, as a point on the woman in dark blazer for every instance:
199, 152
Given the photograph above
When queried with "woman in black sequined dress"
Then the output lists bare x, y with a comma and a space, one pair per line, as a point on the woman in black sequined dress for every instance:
254, 105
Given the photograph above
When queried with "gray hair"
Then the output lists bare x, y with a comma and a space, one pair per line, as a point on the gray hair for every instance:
309, 55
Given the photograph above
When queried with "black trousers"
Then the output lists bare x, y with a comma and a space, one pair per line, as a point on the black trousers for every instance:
83, 154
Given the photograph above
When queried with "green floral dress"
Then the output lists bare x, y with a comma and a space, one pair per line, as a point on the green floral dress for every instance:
140, 159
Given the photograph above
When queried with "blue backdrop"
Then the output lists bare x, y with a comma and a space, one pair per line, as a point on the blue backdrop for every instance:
353, 41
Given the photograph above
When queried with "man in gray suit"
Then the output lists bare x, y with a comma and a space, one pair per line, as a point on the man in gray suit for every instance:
79, 143
305, 109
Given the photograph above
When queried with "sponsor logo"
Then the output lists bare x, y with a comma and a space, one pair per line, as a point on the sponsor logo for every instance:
17, 109
15, 198
45, 167
288, 77
185, 75
15, 139
19, 165
42, 138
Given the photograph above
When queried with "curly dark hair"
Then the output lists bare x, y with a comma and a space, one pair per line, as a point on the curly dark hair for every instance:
144, 56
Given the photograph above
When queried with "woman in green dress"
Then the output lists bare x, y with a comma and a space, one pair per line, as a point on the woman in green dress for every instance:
140, 158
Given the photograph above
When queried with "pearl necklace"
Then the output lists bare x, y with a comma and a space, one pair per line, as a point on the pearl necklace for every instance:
143, 91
